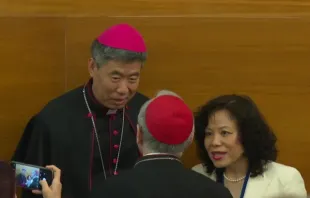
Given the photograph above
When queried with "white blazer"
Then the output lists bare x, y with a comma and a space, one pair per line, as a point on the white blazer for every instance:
278, 180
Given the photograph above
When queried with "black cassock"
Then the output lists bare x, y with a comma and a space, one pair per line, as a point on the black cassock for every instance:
159, 176
62, 134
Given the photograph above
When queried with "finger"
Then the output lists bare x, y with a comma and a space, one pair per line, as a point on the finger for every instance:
53, 167
37, 192
57, 171
44, 185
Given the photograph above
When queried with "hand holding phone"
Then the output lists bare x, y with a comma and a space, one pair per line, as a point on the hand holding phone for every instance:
29, 176
53, 191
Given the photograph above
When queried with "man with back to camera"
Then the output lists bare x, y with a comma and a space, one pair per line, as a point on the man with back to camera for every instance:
92, 129
165, 130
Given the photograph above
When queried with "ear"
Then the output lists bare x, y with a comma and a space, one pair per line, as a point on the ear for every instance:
139, 138
91, 67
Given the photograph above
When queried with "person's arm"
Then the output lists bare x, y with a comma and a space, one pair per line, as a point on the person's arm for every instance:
53, 191
33, 147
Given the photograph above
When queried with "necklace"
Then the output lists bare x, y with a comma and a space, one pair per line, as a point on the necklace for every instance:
245, 183
97, 137
233, 180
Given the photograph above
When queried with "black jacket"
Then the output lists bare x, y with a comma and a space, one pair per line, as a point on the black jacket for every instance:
159, 176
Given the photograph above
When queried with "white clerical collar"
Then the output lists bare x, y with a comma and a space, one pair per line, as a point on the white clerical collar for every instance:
157, 154
111, 111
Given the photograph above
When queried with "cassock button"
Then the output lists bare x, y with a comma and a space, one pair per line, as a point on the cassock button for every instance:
115, 132
116, 146
114, 160
115, 173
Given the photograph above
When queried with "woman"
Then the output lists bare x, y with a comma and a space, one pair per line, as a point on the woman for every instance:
237, 148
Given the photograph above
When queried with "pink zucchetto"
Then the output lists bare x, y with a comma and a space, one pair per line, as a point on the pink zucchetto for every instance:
123, 36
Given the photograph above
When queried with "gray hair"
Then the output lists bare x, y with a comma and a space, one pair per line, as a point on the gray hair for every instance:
149, 142
103, 54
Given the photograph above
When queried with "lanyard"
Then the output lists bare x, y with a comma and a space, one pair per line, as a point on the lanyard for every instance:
245, 183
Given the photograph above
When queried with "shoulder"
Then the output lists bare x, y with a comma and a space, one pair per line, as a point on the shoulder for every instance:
282, 171
200, 168
289, 177
60, 104
57, 109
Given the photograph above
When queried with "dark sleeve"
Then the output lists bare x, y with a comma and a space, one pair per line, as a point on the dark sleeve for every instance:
33, 147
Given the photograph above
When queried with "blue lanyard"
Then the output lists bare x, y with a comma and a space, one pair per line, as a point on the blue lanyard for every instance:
245, 183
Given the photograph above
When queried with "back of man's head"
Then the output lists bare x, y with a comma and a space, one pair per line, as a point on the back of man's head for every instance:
166, 124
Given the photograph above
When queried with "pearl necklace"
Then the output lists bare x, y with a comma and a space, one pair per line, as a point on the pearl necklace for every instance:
97, 137
234, 180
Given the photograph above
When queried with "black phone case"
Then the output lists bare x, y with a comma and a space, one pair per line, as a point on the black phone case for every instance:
34, 166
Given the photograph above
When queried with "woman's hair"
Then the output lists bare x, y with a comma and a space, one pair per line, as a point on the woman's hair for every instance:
257, 138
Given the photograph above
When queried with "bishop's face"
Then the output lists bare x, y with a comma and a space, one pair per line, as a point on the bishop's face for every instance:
115, 83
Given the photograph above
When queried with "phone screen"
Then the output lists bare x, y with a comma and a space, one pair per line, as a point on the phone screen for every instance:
28, 176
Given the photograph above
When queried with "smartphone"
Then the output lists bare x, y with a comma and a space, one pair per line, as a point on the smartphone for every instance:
28, 176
